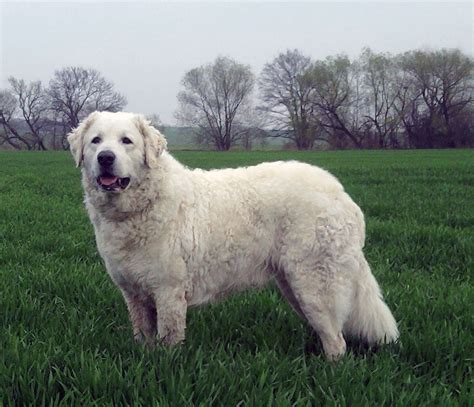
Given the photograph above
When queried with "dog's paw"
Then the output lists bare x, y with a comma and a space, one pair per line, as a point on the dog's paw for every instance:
144, 340
172, 338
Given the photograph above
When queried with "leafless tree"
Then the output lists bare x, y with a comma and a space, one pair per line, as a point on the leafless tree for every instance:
215, 99
456, 74
75, 92
380, 97
33, 105
285, 91
408, 106
336, 99
437, 94
9, 132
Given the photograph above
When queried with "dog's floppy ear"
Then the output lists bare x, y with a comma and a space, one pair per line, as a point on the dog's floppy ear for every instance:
76, 138
154, 141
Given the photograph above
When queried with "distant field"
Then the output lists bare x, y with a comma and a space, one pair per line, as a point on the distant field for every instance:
184, 138
64, 331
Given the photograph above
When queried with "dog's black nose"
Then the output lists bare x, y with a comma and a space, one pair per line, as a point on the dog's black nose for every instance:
106, 158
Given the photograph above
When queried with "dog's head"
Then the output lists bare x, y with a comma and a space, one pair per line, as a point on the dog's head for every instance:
114, 149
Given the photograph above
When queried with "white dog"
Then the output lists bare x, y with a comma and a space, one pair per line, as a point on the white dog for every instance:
172, 237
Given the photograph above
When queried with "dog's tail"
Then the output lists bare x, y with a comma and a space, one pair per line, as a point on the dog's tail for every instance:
370, 319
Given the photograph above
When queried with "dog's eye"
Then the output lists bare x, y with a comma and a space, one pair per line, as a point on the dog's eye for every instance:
96, 140
126, 140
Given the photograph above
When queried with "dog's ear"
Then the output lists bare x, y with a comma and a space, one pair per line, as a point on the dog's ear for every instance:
76, 138
154, 141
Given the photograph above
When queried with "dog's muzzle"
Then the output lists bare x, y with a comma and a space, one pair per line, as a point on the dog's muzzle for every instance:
107, 180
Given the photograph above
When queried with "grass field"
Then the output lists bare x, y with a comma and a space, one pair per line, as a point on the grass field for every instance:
65, 338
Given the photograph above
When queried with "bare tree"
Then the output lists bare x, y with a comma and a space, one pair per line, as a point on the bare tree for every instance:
437, 94
456, 74
75, 92
9, 132
34, 106
215, 99
286, 95
336, 99
408, 105
381, 95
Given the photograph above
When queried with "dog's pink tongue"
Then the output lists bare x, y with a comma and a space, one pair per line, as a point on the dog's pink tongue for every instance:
108, 180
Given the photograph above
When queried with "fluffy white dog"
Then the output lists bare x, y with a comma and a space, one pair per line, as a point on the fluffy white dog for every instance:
172, 237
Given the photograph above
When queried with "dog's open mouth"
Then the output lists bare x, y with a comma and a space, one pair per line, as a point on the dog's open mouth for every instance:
112, 183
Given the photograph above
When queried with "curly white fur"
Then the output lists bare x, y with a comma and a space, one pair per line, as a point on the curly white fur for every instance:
178, 237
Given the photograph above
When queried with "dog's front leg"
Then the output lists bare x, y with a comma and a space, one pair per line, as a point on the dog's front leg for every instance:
171, 308
142, 313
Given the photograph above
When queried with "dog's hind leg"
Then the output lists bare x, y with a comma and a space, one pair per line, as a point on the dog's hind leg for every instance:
287, 292
323, 293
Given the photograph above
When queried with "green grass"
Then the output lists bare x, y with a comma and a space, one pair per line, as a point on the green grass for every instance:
64, 331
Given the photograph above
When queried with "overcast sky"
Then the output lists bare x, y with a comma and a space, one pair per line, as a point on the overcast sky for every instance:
146, 47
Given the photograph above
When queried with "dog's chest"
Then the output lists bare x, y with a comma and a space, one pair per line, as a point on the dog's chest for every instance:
128, 253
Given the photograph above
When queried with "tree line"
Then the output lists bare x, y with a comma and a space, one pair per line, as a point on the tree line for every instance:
35, 117
417, 99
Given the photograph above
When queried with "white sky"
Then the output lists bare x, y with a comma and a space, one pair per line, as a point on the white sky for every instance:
146, 47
